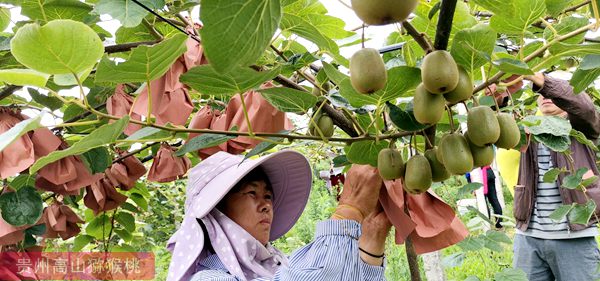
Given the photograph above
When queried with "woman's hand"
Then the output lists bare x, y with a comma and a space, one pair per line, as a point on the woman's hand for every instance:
537, 79
361, 192
375, 229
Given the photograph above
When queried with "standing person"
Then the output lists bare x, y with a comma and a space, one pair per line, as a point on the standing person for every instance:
488, 179
543, 248
234, 210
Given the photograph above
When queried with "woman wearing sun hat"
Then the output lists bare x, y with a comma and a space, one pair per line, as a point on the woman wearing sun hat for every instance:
234, 208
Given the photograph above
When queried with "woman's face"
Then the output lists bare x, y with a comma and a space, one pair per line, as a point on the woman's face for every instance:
252, 208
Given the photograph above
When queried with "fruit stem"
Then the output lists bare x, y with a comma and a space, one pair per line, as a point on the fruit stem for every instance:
362, 41
250, 131
426, 138
450, 118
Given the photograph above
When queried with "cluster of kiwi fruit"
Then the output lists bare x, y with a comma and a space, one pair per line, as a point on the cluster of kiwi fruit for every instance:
444, 82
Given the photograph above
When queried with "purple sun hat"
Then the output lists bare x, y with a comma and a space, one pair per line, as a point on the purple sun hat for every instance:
290, 176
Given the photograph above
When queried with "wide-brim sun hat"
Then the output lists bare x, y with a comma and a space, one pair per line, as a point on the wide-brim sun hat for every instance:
288, 171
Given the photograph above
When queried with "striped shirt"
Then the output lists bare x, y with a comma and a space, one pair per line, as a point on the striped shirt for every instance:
333, 255
548, 199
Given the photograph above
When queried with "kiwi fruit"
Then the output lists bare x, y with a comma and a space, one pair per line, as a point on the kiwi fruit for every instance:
439, 72
390, 164
427, 108
367, 71
482, 156
483, 126
463, 90
456, 154
324, 122
417, 178
381, 12
438, 171
510, 135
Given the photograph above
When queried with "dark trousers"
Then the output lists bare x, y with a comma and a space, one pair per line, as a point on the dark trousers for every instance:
492, 199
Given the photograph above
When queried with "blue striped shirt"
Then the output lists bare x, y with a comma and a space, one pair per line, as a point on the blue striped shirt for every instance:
333, 255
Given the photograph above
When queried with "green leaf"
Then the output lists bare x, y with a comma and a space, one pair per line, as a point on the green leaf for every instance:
98, 159
145, 63
21, 207
4, 18
59, 47
567, 25
206, 80
133, 34
551, 175
552, 125
289, 100
580, 137
335, 75
589, 181
524, 14
330, 26
22, 180
471, 243
404, 120
104, 135
127, 12
480, 214
584, 76
365, 152
69, 79
139, 200
572, 181
264, 146
581, 213
555, 7
202, 141
567, 50
23, 77
237, 32
340, 160
558, 144
511, 274
513, 66
47, 10
401, 80
48, 101
304, 29
590, 62
498, 236
471, 45
498, 7
81, 241
124, 234
18, 130
38, 230
98, 227
453, 260
126, 220
468, 189
148, 133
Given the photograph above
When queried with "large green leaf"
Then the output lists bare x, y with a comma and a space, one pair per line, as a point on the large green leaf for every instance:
145, 63
470, 46
330, 26
127, 12
148, 133
551, 175
468, 189
23, 77
498, 7
289, 100
405, 120
581, 213
98, 159
554, 7
50, 102
400, 80
365, 152
586, 74
47, 10
4, 18
556, 143
573, 181
22, 180
99, 226
305, 29
208, 81
237, 32
202, 141
565, 26
561, 212
59, 47
81, 241
472, 243
580, 137
524, 14
511, 274
332, 73
104, 135
513, 66
126, 220
552, 125
18, 130
21, 207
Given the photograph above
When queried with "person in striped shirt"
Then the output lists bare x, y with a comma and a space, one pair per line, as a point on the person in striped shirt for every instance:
544, 248
234, 210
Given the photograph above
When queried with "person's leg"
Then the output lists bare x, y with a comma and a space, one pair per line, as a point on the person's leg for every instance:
574, 259
493, 199
528, 256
